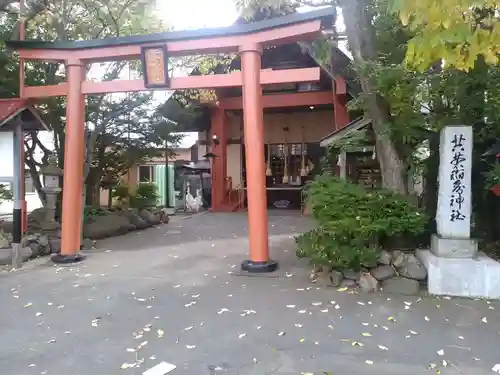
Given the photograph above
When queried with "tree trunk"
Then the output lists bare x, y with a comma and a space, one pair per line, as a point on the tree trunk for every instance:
361, 39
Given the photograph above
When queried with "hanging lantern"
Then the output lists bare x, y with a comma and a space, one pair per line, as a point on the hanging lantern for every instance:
268, 164
303, 168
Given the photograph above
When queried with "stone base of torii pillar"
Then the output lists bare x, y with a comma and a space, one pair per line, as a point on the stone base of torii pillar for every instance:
454, 266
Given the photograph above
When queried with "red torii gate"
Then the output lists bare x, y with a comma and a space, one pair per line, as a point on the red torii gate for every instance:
247, 40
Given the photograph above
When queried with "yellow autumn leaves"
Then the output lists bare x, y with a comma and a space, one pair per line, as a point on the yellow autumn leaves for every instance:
451, 31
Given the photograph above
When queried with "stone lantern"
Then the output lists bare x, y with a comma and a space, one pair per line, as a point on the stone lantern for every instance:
51, 174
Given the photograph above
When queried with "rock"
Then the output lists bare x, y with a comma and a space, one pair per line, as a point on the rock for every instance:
4, 240
346, 283
149, 217
135, 219
37, 220
385, 257
383, 272
336, 277
43, 240
55, 245
87, 244
107, 226
412, 268
6, 255
401, 285
36, 248
398, 258
367, 283
352, 275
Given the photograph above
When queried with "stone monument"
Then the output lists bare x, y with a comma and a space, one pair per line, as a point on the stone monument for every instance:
453, 263
453, 216
51, 174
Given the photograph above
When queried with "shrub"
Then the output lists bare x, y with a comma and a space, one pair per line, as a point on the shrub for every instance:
90, 212
145, 195
354, 222
5, 193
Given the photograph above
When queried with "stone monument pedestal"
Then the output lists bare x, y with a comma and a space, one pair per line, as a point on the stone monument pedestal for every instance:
453, 247
461, 277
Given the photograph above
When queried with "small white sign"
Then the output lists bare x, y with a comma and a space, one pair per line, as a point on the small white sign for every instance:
453, 214
161, 368
7, 154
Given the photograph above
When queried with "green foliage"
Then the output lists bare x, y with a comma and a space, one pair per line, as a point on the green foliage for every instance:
456, 31
492, 177
122, 191
90, 211
5, 193
324, 248
145, 195
354, 222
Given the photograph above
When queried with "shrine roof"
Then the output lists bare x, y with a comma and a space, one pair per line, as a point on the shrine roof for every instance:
233, 30
10, 108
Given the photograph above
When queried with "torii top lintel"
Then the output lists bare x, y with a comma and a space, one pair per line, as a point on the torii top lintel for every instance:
281, 30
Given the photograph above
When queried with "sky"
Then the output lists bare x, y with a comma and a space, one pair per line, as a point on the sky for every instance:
195, 14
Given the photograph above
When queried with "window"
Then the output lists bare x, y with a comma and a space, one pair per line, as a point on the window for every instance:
146, 173
29, 188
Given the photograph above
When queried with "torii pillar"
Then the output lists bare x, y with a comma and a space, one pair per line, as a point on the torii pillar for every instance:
72, 203
253, 122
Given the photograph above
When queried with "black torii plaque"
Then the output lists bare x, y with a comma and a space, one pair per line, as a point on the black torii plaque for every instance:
155, 66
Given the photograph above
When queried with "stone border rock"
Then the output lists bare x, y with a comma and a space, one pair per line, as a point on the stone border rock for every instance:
397, 272
42, 241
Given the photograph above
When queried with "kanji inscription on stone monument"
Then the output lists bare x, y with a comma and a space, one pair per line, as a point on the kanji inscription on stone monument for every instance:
454, 200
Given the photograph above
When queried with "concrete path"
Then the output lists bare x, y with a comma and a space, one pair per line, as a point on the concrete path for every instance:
176, 289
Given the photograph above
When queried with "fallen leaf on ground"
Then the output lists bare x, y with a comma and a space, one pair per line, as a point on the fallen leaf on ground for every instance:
382, 347
160, 333
496, 368
440, 352
366, 334
317, 303
190, 346
29, 304
241, 335
484, 320
302, 311
298, 325
126, 365
281, 333
342, 289
38, 314
368, 362
188, 328
290, 306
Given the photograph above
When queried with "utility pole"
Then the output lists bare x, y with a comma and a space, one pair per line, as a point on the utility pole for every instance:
167, 187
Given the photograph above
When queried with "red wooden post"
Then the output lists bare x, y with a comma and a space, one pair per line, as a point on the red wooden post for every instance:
255, 163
